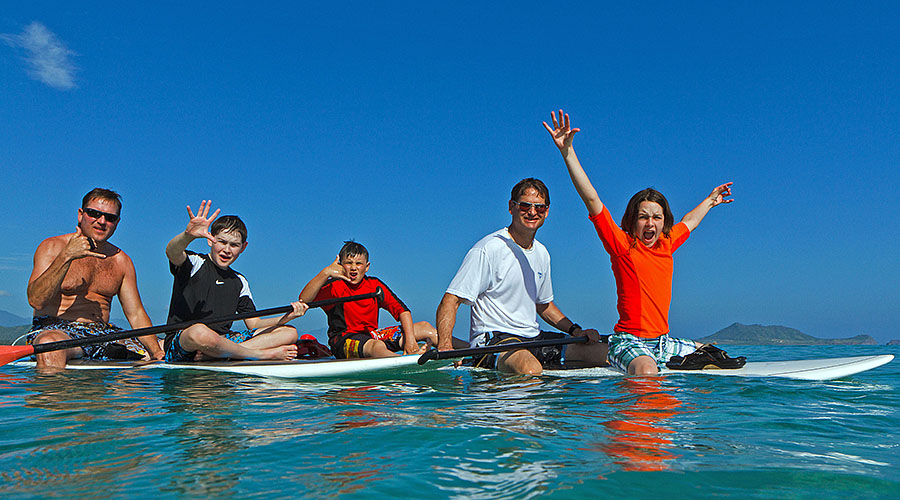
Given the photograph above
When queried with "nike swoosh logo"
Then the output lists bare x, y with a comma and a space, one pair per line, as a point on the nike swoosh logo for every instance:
220, 282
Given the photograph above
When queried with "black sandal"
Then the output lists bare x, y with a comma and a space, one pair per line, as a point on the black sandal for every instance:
706, 357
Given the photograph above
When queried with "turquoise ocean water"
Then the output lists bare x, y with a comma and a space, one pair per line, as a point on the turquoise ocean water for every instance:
452, 434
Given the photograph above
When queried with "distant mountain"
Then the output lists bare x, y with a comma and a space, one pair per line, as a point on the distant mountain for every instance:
10, 333
894, 342
741, 334
10, 319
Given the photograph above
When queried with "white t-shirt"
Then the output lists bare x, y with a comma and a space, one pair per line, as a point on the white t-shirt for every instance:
503, 282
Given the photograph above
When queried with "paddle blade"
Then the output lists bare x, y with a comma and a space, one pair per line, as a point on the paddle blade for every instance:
10, 353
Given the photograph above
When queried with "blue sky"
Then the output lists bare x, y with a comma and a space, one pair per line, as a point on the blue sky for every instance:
404, 126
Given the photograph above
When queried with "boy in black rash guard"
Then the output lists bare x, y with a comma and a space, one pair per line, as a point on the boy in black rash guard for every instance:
206, 287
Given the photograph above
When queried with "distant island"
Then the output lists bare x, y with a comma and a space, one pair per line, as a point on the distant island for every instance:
736, 334
740, 334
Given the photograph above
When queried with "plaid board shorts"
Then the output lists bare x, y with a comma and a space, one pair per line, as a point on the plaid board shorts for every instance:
625, 348
120, 349
176, 354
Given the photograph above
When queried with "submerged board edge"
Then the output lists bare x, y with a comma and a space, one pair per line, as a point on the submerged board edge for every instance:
801, 369
300, 369
804, 369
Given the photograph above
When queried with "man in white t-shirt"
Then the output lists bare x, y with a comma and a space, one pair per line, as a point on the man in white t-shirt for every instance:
505, 277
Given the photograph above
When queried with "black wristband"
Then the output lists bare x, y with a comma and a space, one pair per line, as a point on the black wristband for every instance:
575, 326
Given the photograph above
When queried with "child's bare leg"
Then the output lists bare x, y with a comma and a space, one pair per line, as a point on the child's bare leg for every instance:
272, 337
424, 331
643, 365
200, 338
376, 349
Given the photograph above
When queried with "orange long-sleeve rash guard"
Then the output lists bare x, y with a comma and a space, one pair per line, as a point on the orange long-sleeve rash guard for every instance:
643, 276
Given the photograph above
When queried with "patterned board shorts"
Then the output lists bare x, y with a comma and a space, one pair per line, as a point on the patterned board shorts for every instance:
175, 353
350, 346
120, 349
625, 348
550, 357
391, 336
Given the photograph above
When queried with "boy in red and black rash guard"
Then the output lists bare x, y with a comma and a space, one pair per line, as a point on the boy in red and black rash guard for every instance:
353, 326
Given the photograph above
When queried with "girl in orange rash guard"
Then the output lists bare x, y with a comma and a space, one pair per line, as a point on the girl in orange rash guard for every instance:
641, 256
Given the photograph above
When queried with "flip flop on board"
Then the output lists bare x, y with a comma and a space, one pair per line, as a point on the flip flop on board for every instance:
707, 356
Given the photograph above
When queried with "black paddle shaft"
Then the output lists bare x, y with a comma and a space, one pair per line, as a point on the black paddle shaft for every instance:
153, 330
479, 351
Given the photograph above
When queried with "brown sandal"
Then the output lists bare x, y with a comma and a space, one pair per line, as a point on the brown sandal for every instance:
706, 357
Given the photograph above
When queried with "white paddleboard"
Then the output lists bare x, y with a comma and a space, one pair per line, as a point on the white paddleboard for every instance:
305, 369
297, 369
804, 369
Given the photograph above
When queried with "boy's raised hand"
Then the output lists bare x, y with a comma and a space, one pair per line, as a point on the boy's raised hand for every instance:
335, 270
562, 132
198, 225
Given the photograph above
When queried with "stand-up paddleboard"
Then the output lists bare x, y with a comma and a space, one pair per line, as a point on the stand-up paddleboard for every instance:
306, 369
804, 369
296, 369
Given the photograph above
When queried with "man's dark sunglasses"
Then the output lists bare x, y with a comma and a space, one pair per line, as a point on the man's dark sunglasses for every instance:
93, 213
524, 206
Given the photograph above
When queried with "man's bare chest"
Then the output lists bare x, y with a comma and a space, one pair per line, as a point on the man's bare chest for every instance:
93, 275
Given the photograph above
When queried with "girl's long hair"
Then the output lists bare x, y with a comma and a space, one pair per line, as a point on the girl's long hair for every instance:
634, 204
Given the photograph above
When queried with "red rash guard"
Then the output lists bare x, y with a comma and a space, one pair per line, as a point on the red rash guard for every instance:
643, 276
359, 316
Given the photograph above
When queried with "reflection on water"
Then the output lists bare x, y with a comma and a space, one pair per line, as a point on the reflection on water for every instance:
356, 472
82, 431
459, 434
209, 441
638, 441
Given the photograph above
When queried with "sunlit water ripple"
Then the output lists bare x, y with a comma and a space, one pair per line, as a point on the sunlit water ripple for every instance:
455, 433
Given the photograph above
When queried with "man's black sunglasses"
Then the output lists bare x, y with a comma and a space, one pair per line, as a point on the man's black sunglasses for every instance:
93, 213
524, 206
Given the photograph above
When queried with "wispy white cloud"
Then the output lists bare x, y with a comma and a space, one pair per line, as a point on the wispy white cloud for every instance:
4, 293
47, 57
15, 262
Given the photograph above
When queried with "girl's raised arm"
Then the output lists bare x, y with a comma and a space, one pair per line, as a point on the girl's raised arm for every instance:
717, 197
562, 135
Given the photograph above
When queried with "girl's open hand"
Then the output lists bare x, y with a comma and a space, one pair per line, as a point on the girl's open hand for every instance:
561, 132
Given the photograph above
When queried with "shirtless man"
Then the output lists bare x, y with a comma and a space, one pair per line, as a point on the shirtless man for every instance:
74, 280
